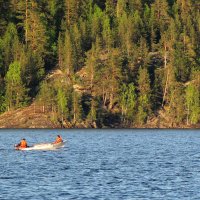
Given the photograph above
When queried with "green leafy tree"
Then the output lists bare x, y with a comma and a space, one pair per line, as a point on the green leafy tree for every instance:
15, 90
62, 104
128, 101
46, 96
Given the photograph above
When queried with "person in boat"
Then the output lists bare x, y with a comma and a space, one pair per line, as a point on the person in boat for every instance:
22, 144
58, 139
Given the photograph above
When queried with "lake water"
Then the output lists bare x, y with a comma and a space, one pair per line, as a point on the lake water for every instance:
102, 165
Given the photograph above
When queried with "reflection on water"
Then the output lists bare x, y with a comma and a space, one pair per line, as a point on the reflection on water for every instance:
117, 164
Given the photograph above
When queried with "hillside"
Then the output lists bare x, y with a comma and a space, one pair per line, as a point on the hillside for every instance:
100, 63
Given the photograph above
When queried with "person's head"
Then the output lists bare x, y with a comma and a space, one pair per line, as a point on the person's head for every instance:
23, 139
58, 136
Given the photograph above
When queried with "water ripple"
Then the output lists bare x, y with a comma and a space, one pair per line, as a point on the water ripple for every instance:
103, 165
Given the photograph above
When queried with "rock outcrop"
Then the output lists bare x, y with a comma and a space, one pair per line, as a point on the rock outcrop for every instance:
27, 117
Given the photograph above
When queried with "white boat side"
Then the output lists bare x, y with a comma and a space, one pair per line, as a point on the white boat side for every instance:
44, 146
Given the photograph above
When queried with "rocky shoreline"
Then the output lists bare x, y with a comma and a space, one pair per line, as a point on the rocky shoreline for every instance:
30, 117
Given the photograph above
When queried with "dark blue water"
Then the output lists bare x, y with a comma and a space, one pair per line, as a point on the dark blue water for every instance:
110, 165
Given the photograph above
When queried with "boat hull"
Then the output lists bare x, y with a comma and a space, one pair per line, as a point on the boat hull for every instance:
43, 146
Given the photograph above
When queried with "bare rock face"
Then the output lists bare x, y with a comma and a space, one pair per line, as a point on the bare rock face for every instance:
27, 118
35, 117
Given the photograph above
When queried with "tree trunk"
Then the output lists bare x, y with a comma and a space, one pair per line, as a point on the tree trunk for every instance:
68, 12
166, 84
43, 108
26, 26
74, 110
166, 87
188, 113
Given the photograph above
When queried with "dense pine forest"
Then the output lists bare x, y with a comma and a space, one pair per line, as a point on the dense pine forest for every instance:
112, 63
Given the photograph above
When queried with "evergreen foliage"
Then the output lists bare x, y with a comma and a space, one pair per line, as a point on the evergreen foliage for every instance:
129, 59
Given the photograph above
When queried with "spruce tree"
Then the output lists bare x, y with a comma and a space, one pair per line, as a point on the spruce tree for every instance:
10, 46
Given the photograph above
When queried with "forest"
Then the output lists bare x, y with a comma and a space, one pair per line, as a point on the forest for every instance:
121, 63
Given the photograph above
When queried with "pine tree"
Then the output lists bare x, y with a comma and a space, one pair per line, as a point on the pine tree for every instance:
68, 55
77, 47
161, 9
144, 100
125, 32
176, 109
72, 11
193, 104
60, 52
135, 5
91, 64
159, 21
96, 23
147, 23
112, 78
137, 27
92, 116
107, 33
184, 55
185, 8
35, 30
20, 10
121, 8
110, 8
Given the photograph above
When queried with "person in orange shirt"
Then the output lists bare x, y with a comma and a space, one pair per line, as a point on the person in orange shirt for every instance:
58, 139
22, 144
